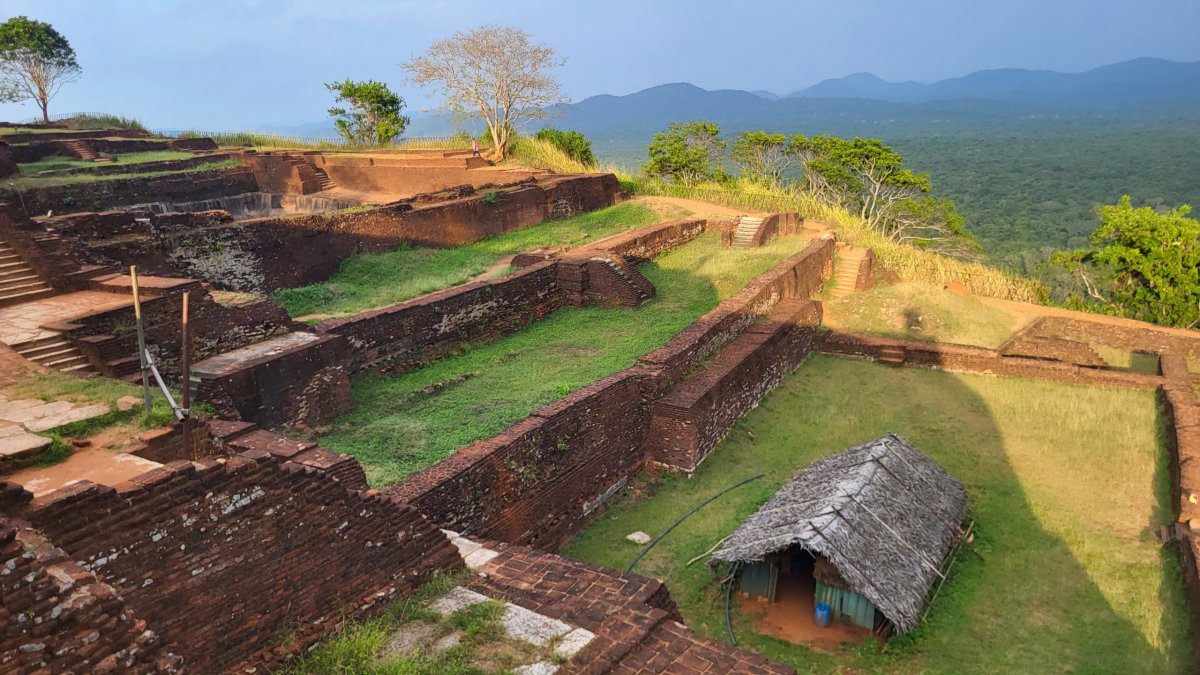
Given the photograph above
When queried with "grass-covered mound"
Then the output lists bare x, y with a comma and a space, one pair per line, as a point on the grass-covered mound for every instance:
377, 279
1066, 485
404, 424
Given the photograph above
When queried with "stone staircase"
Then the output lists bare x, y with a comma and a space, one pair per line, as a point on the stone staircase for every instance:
747, 228
849, 263
325, 181
18, 282
639, 287
56, 353
83, 149
893, 356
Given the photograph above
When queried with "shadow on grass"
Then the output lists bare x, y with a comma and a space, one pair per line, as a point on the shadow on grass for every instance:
1061, 480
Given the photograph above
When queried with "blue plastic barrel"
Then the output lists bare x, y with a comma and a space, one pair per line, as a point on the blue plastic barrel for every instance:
823, 615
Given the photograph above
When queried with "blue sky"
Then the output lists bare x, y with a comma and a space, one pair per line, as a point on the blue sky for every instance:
245, 64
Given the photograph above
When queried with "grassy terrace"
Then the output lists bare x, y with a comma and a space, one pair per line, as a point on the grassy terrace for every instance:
377, 279
404, 424
30, 177
1066, 486
916, 311
57, 163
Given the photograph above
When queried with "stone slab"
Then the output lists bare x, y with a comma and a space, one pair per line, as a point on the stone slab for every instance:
20, 443
534, 628
68, 416
539, 668
457, 599
573, 643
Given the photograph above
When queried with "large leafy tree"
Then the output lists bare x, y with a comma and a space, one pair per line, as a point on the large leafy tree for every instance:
35, 61
867, 174
496, 71
687, 153
762, 157
1142, 264
373, 117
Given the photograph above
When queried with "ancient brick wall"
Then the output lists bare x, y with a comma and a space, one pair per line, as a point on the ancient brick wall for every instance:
58, 617
409, 177
650, 242
99, 195
410, 333
544, 478
278, 173
687, 423
224, 561
1181, 411
978, 360
293, 379
777, 225
800, 276
163, 165
8, 161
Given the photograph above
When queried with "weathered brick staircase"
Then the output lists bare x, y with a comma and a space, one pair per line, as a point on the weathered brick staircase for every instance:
849, 263
326, 181
747, 228
18, 282
639, 287
83, 149
56, 353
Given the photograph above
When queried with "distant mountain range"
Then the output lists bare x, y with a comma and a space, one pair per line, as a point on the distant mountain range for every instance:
1006, 99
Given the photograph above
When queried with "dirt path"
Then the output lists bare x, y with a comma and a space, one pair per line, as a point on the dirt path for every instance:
697, 207
493, 270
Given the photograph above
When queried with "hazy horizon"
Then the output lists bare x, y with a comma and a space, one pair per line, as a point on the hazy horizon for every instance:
241, 65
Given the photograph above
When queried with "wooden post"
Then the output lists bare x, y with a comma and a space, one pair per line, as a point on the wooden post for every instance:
187, 380
147, 399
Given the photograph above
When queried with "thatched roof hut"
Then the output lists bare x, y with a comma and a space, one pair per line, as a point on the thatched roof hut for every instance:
883, 514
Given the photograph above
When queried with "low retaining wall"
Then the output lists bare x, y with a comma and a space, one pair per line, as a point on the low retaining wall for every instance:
797, 277
544, 478
411, 333
541, 480
263, 255
101, 194
687, 423
648, 243
241, 563
1181, 408
961, 358
410, 176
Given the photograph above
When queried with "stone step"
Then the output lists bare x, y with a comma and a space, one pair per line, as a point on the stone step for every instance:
13, 282
64, 361
53, 351
27, 296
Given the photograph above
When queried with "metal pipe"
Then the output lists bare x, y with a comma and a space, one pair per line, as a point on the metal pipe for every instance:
147, 399
685, 516
179, 412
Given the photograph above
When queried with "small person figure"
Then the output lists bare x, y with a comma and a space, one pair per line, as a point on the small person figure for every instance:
474, 147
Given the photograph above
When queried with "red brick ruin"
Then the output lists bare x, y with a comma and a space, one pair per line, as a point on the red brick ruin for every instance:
261, 546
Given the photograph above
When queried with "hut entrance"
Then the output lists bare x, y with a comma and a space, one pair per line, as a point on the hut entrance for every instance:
780, 597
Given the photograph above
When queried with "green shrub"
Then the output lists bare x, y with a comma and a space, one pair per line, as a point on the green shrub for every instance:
573, 143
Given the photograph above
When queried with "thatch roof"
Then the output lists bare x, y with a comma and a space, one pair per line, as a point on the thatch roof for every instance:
883, 513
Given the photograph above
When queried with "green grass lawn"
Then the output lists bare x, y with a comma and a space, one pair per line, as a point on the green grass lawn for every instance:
378, 279
404, 424
1066, 486
918, 311
58, 163
29, 182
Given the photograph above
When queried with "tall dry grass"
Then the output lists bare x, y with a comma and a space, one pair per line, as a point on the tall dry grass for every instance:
911, 263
